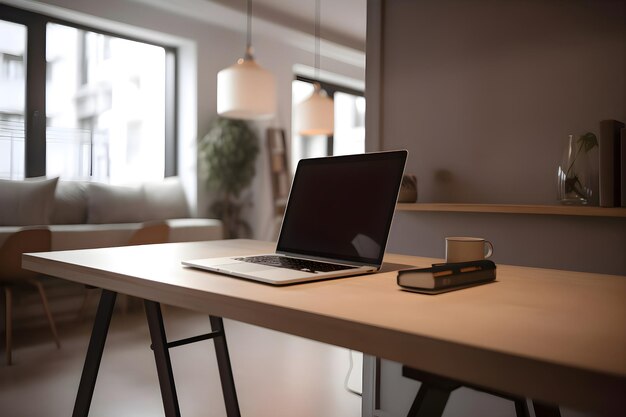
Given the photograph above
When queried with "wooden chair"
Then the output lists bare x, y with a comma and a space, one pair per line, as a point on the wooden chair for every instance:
149, 233
12, 275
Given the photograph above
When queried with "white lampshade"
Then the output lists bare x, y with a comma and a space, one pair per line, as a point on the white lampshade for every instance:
246, 91
316, 114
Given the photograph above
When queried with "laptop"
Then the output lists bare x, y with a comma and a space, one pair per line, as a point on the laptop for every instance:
336, 222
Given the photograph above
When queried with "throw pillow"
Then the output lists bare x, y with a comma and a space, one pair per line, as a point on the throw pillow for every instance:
70, 203
165, 200
25, 203
115, 204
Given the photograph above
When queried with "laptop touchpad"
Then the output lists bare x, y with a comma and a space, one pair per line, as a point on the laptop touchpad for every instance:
242, 267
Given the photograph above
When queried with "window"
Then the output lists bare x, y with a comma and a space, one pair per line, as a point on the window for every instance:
109, 102
12, 66
105, 100
12, 98
349, 135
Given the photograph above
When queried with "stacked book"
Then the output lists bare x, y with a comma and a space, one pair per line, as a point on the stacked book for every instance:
612, 163
447, 277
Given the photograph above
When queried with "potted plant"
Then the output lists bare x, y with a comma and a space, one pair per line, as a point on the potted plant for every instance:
227, 156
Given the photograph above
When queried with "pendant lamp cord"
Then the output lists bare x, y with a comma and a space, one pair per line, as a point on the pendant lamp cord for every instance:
317, 38
249, 33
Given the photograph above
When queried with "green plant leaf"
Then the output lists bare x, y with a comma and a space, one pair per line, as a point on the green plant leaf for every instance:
227, 156
588, 141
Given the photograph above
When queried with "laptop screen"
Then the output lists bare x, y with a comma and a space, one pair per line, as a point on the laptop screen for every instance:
342, 207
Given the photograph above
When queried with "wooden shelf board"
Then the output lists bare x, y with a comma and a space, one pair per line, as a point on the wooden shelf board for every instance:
515, 209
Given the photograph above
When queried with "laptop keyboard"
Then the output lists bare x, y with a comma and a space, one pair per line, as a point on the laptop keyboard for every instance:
294, 263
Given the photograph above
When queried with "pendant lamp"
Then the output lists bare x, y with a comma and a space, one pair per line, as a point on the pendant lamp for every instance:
316, 114
245, 90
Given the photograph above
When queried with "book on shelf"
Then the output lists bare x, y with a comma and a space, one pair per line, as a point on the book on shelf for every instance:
610, 170
447, 276
623, 167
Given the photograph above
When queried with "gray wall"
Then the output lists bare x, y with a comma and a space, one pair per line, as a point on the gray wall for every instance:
483, 95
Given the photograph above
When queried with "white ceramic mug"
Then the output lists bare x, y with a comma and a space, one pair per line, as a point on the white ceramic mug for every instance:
465, 249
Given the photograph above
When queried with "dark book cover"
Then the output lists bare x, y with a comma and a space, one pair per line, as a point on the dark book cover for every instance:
610, 172
623, 167
446, 277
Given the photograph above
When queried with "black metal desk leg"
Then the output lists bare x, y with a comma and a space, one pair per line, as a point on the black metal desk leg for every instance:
223, 365
94, 353
162, 359
546, 410
429, 402
521, 408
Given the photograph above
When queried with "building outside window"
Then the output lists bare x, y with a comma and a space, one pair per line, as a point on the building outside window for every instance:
12, 99
105, 104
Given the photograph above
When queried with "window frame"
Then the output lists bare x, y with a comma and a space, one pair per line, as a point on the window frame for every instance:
330, 89
35, 97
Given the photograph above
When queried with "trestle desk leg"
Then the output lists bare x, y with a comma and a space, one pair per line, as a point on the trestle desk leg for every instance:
94, 354
225, 370
429, 402
546, 410
162, 358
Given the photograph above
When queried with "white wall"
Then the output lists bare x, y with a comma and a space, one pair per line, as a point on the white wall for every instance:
204, 49
501, 85
483, 95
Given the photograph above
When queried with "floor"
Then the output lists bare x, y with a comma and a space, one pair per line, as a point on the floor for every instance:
275, 374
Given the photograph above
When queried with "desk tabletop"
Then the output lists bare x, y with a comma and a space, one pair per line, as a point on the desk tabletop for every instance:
556, 336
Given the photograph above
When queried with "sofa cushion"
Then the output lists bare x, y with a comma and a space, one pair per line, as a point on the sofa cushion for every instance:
70, 203
28, 202
115, 204
193, 230
165, 200
90, 236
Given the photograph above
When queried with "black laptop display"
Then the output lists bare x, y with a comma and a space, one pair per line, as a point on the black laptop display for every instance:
336, 222
342, 207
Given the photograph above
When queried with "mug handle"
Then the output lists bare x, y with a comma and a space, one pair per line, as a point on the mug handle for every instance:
489, 249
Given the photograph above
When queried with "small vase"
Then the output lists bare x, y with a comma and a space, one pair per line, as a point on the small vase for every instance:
573, 177
408, 189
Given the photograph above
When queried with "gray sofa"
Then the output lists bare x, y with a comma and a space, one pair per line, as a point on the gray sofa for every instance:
85, 215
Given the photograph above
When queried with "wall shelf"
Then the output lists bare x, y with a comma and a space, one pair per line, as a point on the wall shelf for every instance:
515, 209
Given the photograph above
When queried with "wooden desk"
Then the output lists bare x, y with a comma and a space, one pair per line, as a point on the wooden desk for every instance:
551, 335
